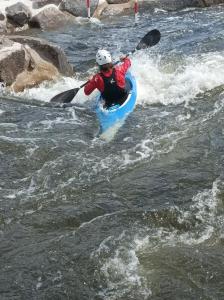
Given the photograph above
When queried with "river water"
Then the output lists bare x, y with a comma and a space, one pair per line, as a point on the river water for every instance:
138, 215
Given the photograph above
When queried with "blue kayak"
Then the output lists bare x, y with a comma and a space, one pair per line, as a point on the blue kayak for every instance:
117, 113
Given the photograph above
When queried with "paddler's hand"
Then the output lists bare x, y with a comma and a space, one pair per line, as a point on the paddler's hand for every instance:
90, 78
122, 58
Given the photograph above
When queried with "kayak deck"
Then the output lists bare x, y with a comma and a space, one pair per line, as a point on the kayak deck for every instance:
117, 113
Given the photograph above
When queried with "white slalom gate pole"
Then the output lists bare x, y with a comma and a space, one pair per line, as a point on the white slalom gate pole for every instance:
136, 11
88, 8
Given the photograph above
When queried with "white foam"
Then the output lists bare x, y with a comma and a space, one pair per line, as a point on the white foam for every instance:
158, 83
49, 89
92, 20
110, 133
204, 210
119, 271
121, 274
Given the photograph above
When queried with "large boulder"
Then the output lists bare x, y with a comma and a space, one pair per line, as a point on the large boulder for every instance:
47, 51
116, 9
100, 8
12, 60
51, 17
40, 3
2, 16
25, 62
78, 7
18, 14
3, 27
37, 71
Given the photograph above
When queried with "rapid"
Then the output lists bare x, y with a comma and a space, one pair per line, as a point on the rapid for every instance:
137, 216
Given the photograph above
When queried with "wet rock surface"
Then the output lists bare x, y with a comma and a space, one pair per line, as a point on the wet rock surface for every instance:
48, 51
25, 62
2, 16
41, 3
18, 14
78, 7
51, 17
12, 60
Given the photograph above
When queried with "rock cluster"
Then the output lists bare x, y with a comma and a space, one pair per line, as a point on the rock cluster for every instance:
46, 14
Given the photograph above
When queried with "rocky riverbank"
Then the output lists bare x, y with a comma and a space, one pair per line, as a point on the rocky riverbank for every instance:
48, 14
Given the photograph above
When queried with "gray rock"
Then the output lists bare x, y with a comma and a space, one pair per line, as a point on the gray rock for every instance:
47, 51
51, 17
5, 42
117, 9
2, 16
212, 2
40, 3
117, 1
18, 14
26, 62
100, 8
78, 7
3, 28
12, 60
35, 72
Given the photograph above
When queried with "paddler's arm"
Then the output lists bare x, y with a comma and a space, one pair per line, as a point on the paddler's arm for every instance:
96, 82
90, 87
126, 63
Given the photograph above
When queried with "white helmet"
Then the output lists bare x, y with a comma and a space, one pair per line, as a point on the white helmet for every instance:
103, 57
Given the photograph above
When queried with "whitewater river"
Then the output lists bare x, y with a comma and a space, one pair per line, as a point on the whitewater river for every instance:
139, 215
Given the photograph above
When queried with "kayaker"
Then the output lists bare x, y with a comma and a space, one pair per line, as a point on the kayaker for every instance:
110, 81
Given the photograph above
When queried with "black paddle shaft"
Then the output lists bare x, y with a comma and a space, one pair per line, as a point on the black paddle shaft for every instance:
149, 40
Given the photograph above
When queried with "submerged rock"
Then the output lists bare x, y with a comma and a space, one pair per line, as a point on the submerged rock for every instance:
51, 17
18, 14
